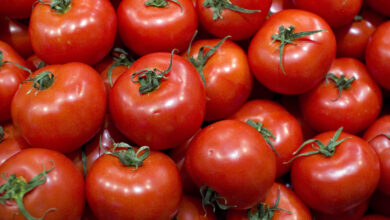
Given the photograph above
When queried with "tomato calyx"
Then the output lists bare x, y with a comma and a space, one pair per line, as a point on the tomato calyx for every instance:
162, 3
1, 133
59, 6
287, 36
16, 188
2, 62
150, 79
358, 18
264, 132
218, 5
326, 150
127, 155
202, 56
341, 82
210, 197
41, 82
263, 212
121, 58
380, 134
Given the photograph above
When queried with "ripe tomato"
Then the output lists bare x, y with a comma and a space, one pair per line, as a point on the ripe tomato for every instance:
381, 6
280, 5
233, 159
10, 142
117, 190
225, 21
376, 136
331, 181
146, 29
169, 114
336, 12
377, 56
15, 34
355, 213
285, 129
81, 31
34, 63
305, 61
191, 209
54, 193
64, 111
353, 105
227, 77
16, 8
10, 78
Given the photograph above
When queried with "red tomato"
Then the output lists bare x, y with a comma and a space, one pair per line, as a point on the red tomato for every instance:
118, 191
146, 29
227, 76
191, 209
63, 200
377, 56
169, 114
305, 61
65, 112
381, 6
10, 78
16, 8
285, 129
352, 39
355, 213
34, 62
226, 21
84, 31
10, 142
333, 104
375, 217
336, 12
333, 183
376, 136
280, 5
15, 34
233, 159
380, 203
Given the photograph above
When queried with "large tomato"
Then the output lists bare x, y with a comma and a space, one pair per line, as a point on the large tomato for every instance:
146, 28
349, 98
62, 109
287, 62
159, 101
143, 185
10, 142
233, 160
52, 186
78, 30
16, 34
328, 174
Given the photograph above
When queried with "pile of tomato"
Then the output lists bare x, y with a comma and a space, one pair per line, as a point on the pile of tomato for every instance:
194, 109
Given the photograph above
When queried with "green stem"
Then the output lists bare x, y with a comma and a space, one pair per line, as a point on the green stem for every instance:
2, 62
59, 6
342, 83
121, 58
381, 134
210, 197
84, 160
1, 133
218, 5
162, 3
41, 82
267, 134
358, 18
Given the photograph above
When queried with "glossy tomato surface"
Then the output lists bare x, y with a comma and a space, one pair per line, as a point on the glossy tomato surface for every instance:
15, 34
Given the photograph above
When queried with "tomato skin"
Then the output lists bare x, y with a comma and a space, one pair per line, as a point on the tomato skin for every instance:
15, 34
16, 8
71, 110
355, 109
191, 209
280, 5
381, 6
381, 145
234, 148
117, 192
280, 123
239, 25
167, 116
85, 33
28, 163
336, 13
303, 72
33, 62
356, 213
228, 78
141, 26
11, 143
377, 57
333, 184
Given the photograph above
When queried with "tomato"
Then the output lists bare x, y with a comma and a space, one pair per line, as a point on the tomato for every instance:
352, 39
34, 62
16, 8
82, 31
305, 61
64, 110
353, 105
232, 159
191, 209
377, 57
150, 189
54, 197
222, 21
380, 203
381, 6
280, 5
15, 34
337, 13
10, 142
146, 29
331, 181
355, 213
292, 207
10, 78
227, 77
285, 132
376, 136
161, 115
375, 217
